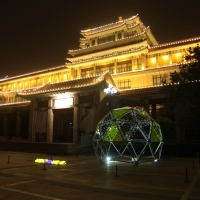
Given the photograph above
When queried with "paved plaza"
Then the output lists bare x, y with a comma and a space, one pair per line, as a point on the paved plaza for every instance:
85, 178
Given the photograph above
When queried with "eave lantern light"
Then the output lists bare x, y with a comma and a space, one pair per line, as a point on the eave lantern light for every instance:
110, 91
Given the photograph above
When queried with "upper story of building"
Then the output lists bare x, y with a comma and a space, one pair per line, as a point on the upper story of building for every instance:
126, 48
114, 35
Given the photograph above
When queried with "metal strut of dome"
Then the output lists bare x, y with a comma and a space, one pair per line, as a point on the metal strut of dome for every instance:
126, 133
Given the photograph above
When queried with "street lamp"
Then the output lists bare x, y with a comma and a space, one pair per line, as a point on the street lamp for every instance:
110, 90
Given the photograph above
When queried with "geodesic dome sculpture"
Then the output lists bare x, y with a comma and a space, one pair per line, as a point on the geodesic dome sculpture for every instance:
127, 132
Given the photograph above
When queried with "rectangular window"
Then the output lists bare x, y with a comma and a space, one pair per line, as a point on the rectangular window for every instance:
119, 36
129, 34
11, 100
124, 84
83, 74
159, 79
93, 42
106, 39
75, 74
103, 68
17, 99
124, 66
99, 71
87, 72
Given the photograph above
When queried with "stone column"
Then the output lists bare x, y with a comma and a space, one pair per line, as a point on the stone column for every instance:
79, 72
96, 117
96, 41
134, 63
116, 36
115, 66
32, 120
50, 121
94, 69
157, 64
170, 58
144, 64
18, 121
146, 60
71, 74
122, 34
76, 120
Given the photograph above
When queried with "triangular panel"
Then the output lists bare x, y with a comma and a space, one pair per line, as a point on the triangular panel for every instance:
129, 117
108, 117
145, 127
104, 127
118, 113
155, 134
141, 116
136, 134
113, 134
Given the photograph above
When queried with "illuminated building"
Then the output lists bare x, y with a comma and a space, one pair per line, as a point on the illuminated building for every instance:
50, 105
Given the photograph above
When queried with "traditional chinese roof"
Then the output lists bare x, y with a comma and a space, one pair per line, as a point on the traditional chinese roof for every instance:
138, 91
15, 104
175, 43
107, 26
52, 69
133, 23
72, 86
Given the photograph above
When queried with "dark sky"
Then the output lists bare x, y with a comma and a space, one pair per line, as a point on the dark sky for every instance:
36, 34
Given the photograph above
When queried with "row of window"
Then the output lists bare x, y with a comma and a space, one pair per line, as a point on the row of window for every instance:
122, 84
112, 38
121, 67
160, 79
124, 67
37, 81
157, 80
12, 99
166, 53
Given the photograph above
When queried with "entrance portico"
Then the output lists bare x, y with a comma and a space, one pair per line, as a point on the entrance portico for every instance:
58, 111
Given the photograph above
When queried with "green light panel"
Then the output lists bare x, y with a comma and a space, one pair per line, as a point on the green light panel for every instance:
155, 134
113, 134
117, 113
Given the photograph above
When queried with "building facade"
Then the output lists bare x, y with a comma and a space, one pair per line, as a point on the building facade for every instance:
60, 103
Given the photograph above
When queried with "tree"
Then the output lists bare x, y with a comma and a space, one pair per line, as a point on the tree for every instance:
189, 72
185, 91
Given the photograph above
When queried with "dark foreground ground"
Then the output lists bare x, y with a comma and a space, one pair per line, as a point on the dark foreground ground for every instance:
85, 178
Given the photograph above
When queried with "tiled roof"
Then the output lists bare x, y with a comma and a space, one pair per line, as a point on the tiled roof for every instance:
72, 85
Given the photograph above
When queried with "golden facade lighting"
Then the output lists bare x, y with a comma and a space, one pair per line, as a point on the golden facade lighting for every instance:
166, 57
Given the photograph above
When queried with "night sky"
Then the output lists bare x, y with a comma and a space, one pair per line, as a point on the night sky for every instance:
36, 34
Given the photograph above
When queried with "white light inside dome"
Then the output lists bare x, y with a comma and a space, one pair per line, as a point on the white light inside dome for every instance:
108, 158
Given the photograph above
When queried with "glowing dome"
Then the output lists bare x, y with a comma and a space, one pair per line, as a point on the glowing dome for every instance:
127, 132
